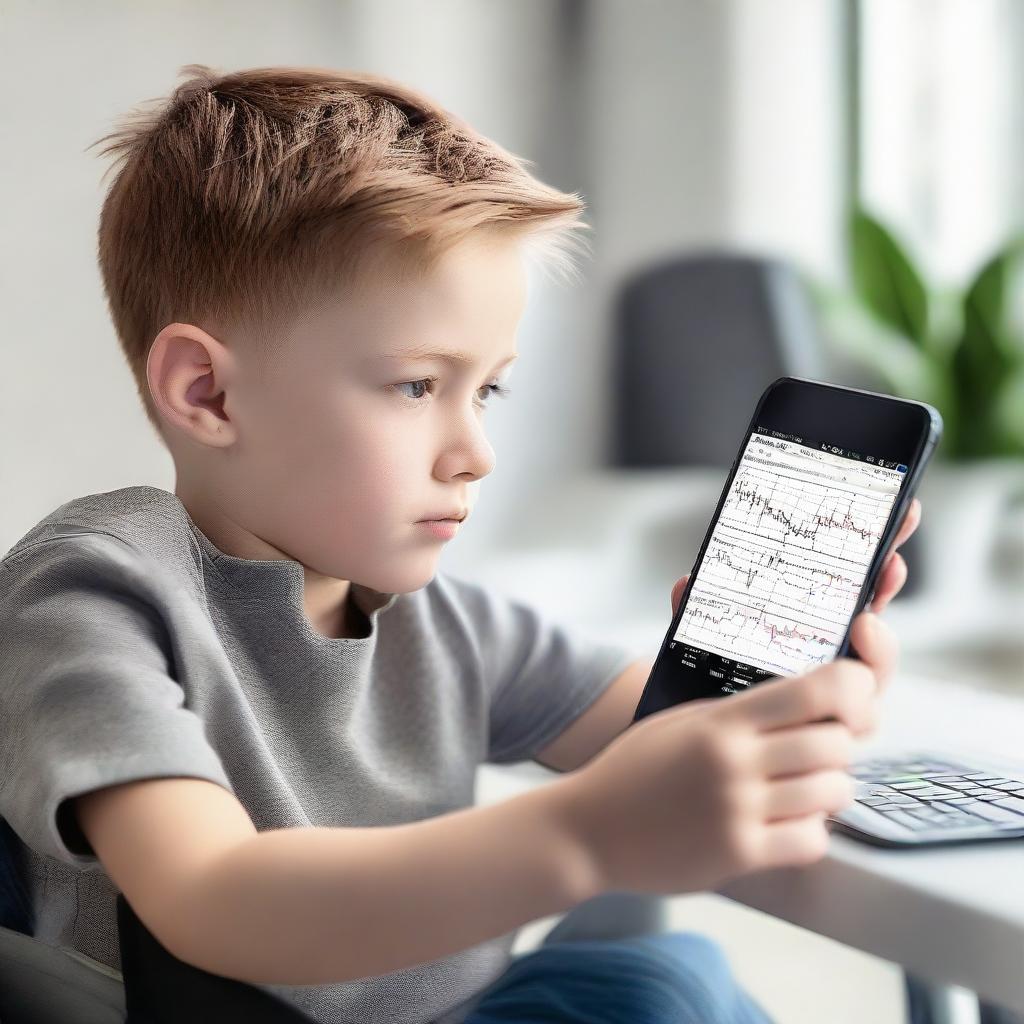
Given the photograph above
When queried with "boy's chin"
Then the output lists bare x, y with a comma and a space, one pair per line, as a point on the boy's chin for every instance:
409, 579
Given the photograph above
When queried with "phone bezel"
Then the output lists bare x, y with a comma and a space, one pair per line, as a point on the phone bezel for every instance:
928, 434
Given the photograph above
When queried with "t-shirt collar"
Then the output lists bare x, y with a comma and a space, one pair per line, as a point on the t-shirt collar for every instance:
278, 577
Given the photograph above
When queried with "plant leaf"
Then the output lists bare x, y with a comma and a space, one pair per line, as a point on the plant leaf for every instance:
982, 361
885, 279
906, 370
1008, 413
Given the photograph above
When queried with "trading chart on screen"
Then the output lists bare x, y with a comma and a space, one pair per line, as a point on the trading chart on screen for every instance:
787, 559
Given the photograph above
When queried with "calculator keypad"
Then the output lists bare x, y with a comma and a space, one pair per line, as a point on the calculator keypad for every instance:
923, 794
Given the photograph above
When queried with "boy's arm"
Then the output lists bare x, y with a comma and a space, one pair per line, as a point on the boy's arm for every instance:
605, 719
308, 906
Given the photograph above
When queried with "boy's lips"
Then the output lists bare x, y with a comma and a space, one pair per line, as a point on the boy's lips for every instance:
458, 515
442, 529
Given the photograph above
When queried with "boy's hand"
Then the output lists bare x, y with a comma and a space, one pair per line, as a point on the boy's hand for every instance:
701, 792
696, 794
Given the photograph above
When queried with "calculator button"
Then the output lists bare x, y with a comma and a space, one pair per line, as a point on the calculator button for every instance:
907, 820
952, 813
925, 809
945, 808
1011, 803
926, 814
990, 812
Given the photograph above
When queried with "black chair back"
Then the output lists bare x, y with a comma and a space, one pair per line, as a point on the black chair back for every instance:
697, 339
15, 905
161, 989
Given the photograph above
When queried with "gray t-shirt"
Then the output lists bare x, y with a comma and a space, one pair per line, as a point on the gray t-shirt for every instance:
132, 648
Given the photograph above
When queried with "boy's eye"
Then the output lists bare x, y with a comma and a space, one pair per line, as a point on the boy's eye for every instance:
413, 384
421, 387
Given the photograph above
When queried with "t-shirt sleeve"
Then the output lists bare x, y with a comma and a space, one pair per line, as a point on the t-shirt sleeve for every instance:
541, 673
87, 693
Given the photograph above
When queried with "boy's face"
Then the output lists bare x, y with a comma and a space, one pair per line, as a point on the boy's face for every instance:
334, 456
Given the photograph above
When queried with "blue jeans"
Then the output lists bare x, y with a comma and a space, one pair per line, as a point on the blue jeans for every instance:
665, 978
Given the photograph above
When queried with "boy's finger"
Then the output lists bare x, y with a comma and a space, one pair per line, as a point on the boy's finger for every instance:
894, 575
910, 523
677, 591
875, 645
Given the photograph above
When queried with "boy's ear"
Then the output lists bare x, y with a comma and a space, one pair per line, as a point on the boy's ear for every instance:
188, 372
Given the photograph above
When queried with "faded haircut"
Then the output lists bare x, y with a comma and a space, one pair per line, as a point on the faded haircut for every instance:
242, 198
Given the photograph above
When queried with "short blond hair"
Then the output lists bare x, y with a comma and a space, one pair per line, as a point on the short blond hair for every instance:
243, 196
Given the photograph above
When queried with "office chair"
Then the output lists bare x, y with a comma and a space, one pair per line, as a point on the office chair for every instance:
696, 338
41, 983
45, 984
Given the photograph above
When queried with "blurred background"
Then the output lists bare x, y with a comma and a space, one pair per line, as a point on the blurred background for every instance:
825, 188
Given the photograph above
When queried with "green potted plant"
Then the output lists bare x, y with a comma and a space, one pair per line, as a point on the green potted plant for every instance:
960, 349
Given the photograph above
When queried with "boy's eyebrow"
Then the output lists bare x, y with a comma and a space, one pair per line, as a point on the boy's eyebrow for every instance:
447, 355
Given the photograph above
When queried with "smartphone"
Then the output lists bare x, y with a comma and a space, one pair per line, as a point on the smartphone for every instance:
814, 498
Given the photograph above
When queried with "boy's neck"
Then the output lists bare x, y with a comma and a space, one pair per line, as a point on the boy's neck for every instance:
345, 621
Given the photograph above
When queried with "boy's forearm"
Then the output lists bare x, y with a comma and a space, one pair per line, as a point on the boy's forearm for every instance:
308, 906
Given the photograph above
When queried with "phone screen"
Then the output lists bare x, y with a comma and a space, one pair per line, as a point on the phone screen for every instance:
786, 561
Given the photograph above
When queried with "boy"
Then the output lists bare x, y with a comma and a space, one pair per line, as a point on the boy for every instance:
253, 706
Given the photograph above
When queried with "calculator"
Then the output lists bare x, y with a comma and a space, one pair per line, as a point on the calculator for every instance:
927, 799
